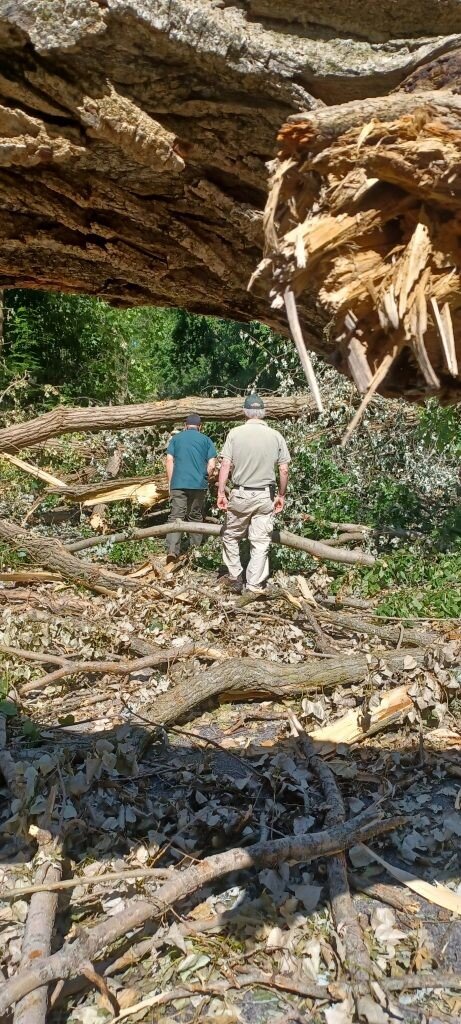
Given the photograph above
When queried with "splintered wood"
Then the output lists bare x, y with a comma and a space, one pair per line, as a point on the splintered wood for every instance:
363, 221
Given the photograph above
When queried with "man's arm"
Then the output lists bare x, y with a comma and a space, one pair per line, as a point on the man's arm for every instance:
223, 478
169, 468
283, 484
210, 468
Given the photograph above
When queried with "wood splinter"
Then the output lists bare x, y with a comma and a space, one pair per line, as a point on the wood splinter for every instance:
297, 334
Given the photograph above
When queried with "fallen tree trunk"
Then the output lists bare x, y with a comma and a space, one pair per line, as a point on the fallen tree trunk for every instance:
290, 540
73, 956
65, 420
53, 555
251, 679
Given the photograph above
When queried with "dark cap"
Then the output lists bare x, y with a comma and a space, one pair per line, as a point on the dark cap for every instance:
193, 420
253, 402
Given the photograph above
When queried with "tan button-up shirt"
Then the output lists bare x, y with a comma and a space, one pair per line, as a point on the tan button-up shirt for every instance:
254, 449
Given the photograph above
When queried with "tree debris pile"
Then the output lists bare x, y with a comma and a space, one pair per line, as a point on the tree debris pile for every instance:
127, 832
362, 220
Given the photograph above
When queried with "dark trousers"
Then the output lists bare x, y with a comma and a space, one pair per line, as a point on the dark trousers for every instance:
186, 505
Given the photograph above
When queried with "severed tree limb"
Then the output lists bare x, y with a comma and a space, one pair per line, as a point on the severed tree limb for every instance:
316, 548
53, 555
64, 420
255, 679
325, 124
73, 956
358, 963
32, 1008
68, 667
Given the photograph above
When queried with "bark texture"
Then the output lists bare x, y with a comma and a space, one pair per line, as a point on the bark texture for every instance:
65, 420
134, 134
249, 678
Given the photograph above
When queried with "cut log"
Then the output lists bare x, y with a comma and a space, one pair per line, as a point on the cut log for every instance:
33, 1008
290, 540
241, 679
64, 420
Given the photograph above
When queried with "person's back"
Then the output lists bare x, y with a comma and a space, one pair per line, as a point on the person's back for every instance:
250, 454
190, 460
191, 451
255, 449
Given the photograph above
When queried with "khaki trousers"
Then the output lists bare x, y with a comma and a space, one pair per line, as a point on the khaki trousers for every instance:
249, 513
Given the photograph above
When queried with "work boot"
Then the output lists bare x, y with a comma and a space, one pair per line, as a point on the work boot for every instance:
235, 585
170, 558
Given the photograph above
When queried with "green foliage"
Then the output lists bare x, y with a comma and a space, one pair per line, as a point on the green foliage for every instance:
81, 350
400, 470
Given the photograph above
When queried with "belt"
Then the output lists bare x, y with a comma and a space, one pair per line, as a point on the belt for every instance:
265, 488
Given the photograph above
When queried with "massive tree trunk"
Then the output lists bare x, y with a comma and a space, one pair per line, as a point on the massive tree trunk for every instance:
135, 136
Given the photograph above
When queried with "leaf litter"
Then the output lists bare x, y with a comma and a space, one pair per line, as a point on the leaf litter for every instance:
123, 797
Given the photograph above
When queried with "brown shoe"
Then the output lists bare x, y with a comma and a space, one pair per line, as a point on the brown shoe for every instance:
171, 558
234, 585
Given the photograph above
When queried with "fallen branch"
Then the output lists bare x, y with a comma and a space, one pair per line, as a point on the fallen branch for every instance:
73, 957
257, 979
357, 959
53, 555
391, 634
252, 679
119, 668
64, 420
290, 540
414, 981
84, 881
32, 1008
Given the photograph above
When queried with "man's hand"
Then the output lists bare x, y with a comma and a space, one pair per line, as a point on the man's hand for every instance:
279, 503
222, 501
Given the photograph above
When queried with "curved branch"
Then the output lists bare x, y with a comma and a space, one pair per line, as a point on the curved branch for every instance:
70, 960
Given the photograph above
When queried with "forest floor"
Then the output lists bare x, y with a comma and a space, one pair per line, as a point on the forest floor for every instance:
91, 788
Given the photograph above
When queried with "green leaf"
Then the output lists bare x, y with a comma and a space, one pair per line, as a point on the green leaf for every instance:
8, 709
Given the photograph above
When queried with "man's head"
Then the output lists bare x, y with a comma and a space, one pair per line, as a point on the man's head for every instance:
193, 421
254, 408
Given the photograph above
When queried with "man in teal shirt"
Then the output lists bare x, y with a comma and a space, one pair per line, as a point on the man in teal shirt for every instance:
191, 458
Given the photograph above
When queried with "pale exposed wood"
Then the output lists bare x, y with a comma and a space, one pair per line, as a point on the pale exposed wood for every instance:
32, 1008
380, 236
297, 335
358, 723
41, 474
435, 893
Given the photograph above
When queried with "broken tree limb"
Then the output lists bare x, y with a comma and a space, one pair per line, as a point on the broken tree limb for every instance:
53, 555
290, 540
141, 490
32, 1009
64, 420
358, 723
40, 474
73, 956
68, 667
251, 679
358, 962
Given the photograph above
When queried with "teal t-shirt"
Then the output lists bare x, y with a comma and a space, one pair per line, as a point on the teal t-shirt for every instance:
191, 451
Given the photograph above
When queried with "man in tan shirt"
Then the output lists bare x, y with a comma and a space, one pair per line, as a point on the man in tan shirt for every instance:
250, 453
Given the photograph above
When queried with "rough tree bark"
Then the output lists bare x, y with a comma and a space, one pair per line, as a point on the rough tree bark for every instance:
135, 135
65, 420
250, 678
